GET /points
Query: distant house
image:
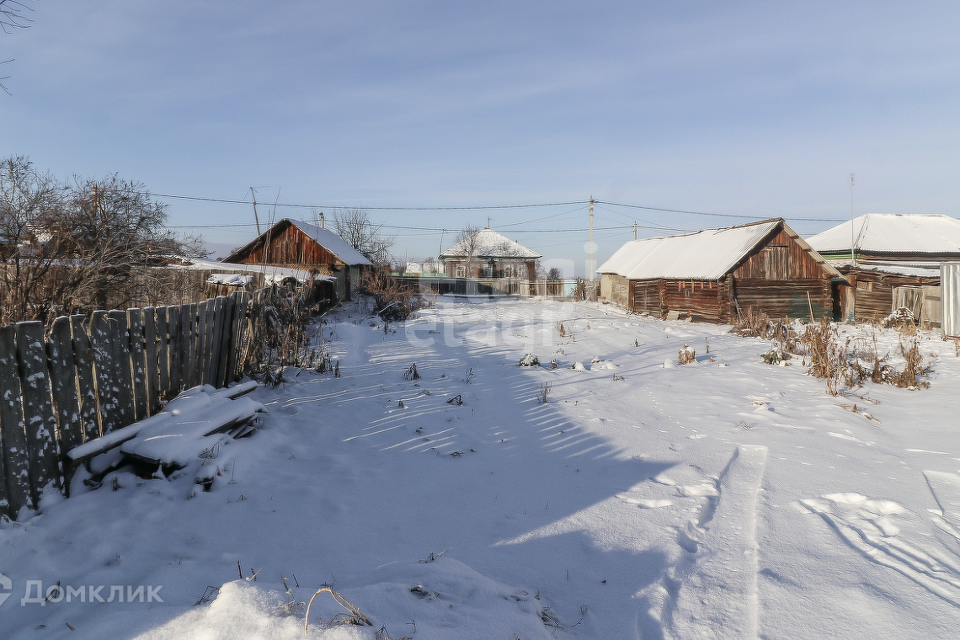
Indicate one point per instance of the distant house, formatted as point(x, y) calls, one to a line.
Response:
point(300, 245)
point(488, 254)
point(714, 275)
point(879, 253)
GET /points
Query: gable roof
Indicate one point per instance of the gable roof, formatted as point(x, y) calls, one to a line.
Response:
point(893, 233)
point(324, 237)
point(489, 244)
point(708, 254)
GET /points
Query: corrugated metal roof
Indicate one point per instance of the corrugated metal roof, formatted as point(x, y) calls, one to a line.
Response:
point(332, 243)
point(490, 244)
point(893, 233)
point(704, 255)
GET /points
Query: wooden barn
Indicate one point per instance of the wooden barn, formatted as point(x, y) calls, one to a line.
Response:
point(879, 253)
point(716, 274)
point(299, 245)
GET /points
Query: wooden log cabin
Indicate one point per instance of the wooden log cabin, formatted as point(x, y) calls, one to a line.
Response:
point(714, 275)
point(879, 252)
point(299, 245)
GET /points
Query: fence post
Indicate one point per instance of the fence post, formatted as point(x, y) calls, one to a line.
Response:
point(138, 366)
point(163, 355)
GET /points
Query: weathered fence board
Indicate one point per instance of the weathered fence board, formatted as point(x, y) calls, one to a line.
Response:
point(38, 415)
point(120, 341)
point(188, 356)
point(63, 381)
point(216, 334)
point(83, 356)
point(163, 354)
point(107, 372)
point(229, 304)
point(138, 366)
point(12, 428)
point(149, 320)
point(174, 348)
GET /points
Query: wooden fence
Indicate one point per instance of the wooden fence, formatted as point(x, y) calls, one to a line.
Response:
point(87, 377)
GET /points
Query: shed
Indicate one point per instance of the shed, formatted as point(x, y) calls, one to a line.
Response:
point(714, 275)
point(889, 251)
point(299, 245)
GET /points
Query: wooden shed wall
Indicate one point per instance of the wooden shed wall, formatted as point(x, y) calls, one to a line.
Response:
point(779, 258)
point(873, 292)
point(289, 247)
point(785, 298)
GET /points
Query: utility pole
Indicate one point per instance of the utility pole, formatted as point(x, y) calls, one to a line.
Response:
point(591, 247)
point(634, 229)
point(323, 222)
point(853, 255)
point(255, 216)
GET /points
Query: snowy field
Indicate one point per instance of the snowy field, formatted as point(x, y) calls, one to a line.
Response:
point(726, 498)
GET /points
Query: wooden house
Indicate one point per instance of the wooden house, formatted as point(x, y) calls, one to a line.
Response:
point(299, 245)
point(488, 254)
point(880, 252)
point(714, 275)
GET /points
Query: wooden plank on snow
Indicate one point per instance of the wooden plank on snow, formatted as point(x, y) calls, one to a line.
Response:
point(13, 432)
point(84, 358)
point(38, 414)
point(138, 366)
point(63, 382)
point(120, 341)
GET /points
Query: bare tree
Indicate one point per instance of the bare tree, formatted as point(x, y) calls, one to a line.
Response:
point(467, 246)
point(354, 226)
point(12, 18)
point(96, 245)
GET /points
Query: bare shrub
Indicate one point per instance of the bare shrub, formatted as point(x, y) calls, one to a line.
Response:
point(411, 373)
point(545, 388)
point(393, 300)
point(687, 354)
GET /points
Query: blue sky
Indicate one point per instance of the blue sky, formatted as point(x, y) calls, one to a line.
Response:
point(746, 108)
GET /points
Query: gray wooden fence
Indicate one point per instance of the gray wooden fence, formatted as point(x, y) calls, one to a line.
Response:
point(88, 377)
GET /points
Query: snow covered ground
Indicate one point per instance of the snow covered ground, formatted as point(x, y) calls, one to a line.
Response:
point(726, 498)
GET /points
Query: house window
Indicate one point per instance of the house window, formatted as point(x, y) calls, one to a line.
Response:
point(508, 271)
point(487, 271)
point(461, 271)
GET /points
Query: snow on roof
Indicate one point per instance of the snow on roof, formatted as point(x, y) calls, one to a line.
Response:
point(703, 255)
point(893, 233)
point(271, 274)
point(234, 279)
point(490, 244)
point(332, 243)
point(913, 269)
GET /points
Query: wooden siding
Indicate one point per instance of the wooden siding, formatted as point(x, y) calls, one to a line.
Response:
point(288, 246)
point(873, 292)
point(779, 258)
point(785, 298)
point(778, 278)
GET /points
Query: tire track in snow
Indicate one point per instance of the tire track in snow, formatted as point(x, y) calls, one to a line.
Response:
point(713, 590)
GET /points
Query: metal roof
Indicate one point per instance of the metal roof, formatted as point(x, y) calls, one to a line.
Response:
point(490, 244)
point(705, 255)
point(893, 233)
